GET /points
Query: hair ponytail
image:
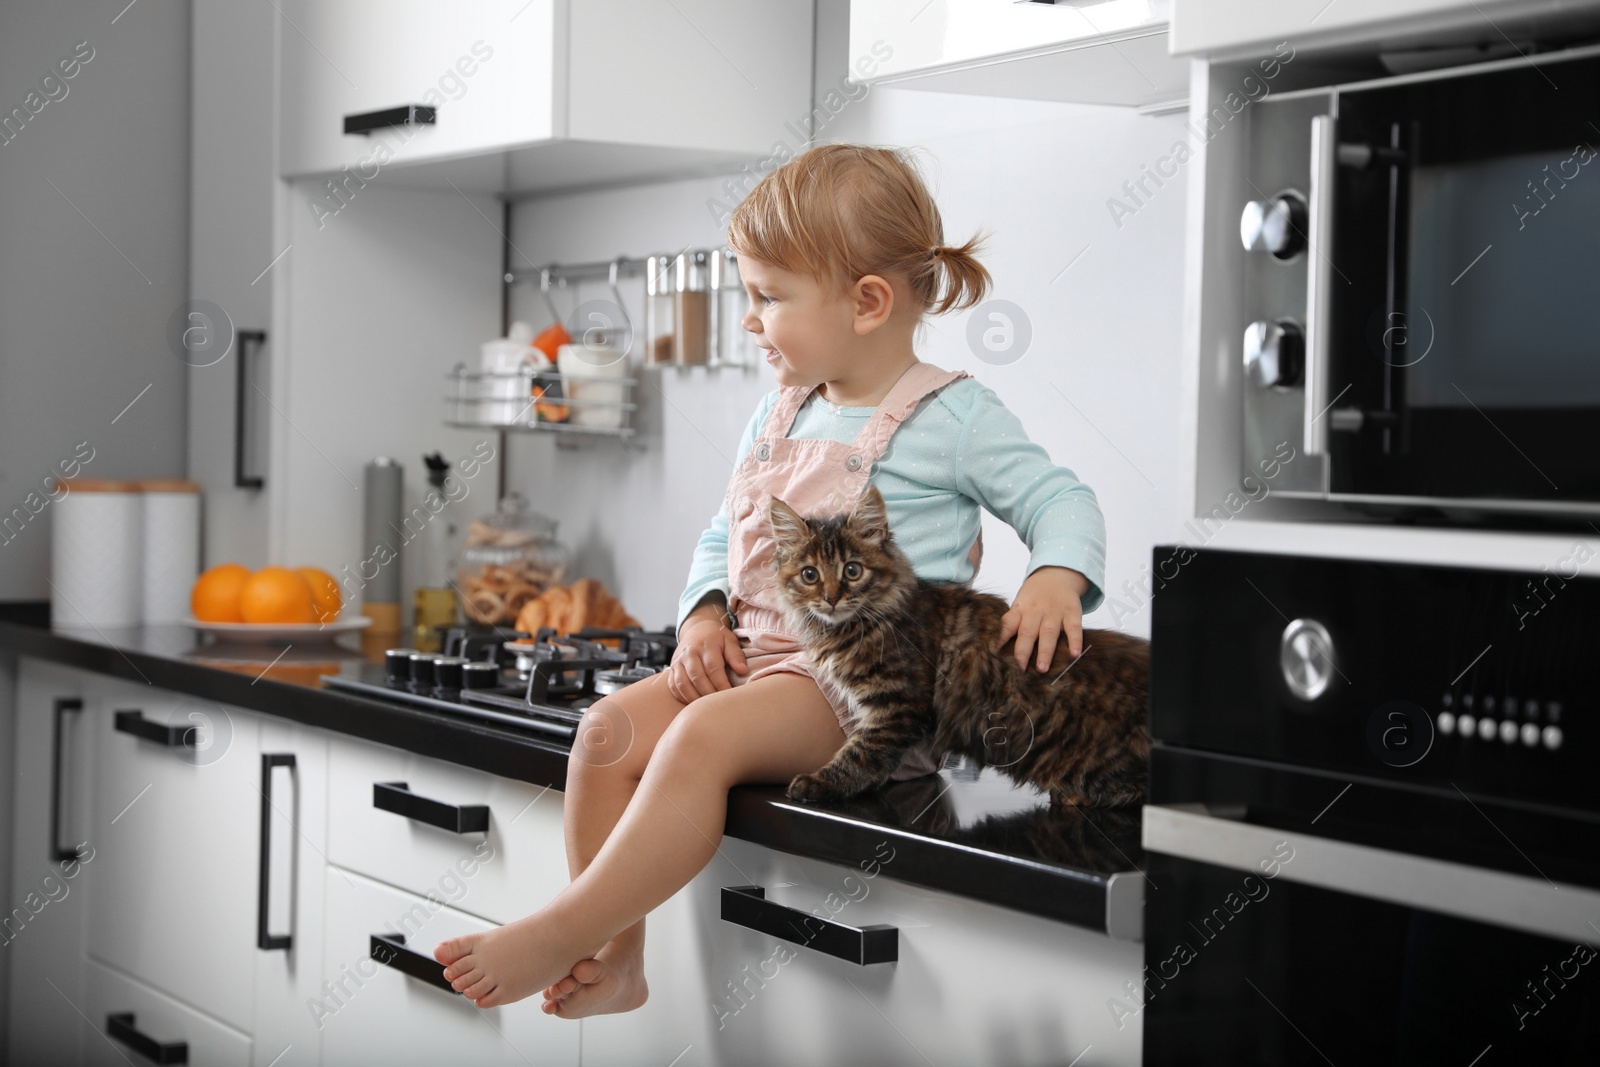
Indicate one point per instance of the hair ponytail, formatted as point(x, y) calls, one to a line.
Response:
point(966, 281)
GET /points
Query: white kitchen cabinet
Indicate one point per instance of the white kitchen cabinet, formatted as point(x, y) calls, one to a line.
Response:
point(595, 90)
point(373, 1013)
point(973, 983)
point(129, 1022)
point(1113, 52)
point(499, 874)
point(43, 928)
point(1226, 29)
point(175, 837)
point(178, 836)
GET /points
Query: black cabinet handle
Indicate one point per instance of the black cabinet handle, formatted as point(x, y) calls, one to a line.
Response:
point(747, 905)
point(404, 115)
point(264, 940)
point(133, 722)
point(119, 1026)
point(397, 797)
point(57, 853)
point(390, 950)
point(248, 340)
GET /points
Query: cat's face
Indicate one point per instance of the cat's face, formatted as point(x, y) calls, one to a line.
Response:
point(829, 569)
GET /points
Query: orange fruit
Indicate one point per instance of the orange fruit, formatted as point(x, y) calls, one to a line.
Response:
point(324, 593)
point(277, 595)
point(215, 595)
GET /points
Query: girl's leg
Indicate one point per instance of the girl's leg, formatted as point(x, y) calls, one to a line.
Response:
point(615, 740)
point(764, 731)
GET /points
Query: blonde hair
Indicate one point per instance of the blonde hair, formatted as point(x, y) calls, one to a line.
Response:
point(841, 211)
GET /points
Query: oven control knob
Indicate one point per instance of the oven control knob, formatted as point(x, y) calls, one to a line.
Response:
point(1274, 354)
point(1276, 225)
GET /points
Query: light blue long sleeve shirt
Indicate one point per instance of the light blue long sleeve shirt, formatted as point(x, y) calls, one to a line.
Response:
point(959, 449)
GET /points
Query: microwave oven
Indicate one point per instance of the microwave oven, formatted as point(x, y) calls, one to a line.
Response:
point(1421, 280)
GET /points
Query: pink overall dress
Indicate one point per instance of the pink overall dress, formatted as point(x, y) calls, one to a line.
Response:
point(819, 479)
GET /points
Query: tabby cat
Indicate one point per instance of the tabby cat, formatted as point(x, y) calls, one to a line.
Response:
point(917, 660)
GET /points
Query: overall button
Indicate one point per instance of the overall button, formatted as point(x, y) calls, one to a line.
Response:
point(853, 463)
point(763, 450)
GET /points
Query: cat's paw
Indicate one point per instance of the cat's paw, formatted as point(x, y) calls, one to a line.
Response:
point(814, 787)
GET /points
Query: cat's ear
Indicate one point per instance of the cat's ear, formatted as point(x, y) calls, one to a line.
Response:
point(870, 517)
point(788, 528)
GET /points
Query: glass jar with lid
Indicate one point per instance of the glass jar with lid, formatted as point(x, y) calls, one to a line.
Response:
point(509, 558)
point(659, 334)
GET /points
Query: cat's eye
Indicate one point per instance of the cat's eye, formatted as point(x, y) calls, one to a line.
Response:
point(809, 575)
point(852, 570)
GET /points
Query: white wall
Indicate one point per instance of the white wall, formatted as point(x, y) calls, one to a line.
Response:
point(93, 257)
point(1105, 329)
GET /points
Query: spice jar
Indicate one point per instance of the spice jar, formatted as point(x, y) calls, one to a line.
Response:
point(658, 332)
point(730, 342)
point(509, 558)
point(691, 309)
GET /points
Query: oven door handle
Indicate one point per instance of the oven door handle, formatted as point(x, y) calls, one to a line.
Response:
point(1319, 282)
point(1532, 904)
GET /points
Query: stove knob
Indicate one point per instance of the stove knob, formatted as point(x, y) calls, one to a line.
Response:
point(1552, 737)
point(482, 675)
point(1276, 225)
point(422, 672)
point(447, 672)
point(397, 666)
point(1274, 354)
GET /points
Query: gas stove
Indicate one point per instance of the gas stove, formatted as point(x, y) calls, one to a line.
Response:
point(537, 682)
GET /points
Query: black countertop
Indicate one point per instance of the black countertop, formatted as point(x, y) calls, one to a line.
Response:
point(975, 834)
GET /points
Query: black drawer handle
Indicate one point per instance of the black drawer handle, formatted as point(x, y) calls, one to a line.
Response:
point(265, 941)
point(119, 1026)
point(404, 115)
point(397, 797)
point(390, 950)
point(57, 853)
point(747, 905)
point(134, 722)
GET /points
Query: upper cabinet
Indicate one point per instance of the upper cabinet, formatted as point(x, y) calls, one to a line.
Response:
point(531, 95)
point(1113, 52)
point(1224, 29)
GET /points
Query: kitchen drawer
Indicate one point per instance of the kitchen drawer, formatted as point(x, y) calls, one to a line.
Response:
point(376, 1014)
point(157, 1019)
point(173, 889)
point(499, 875)
point(973, 983)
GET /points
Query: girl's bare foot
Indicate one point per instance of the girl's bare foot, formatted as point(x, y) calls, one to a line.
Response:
point(509, 963)
point(612, 981)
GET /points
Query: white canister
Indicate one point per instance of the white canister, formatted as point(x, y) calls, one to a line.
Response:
point(583, 370)
point(171, 548)
point(502, 361)
point(97, 554)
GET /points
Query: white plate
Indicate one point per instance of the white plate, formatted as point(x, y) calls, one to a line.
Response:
point(302, 632)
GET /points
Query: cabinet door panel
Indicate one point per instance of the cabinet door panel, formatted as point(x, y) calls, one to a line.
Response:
point(156, 1018)
point(42, 931)
point(488, 66)
point(501, 875)
point(974, 983)
point(375, 1014)
point(176, 832)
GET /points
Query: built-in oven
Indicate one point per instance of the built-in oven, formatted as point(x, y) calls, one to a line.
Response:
point(1422, 287)
point(1374, 818)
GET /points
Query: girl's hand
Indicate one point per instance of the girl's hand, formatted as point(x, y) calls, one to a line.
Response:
point(1048, 606)
point(704, 645)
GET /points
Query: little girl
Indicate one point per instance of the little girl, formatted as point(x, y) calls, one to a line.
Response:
point(841, 252)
